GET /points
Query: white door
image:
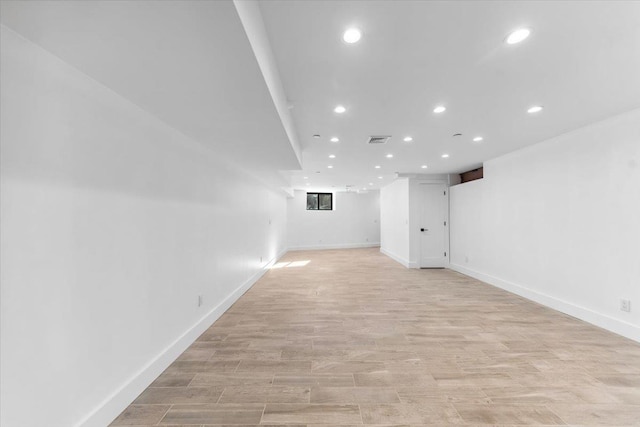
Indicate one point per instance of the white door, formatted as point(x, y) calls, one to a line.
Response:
point(433, 225)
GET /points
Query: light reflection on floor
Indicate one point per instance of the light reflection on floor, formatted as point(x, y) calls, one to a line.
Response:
point(290, 264)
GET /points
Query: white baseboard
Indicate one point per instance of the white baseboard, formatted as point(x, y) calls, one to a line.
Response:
point(335, 246)
point(396, 257)
point(617, 326)
point(113, 405)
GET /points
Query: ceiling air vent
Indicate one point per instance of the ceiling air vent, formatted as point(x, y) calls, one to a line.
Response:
point(378, 139)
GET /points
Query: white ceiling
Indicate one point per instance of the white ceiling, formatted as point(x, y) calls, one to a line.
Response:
point(201, 69)
point(189, 63)
point(582, 62)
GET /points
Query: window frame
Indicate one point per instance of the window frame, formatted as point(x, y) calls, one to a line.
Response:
point(321, 194)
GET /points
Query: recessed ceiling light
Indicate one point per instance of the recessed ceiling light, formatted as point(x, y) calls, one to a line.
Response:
point(379, 177)
point(330, 167)
point(334, 139)
point(408, 139)
point(518, 35)
point(332, 156)
point(339, 109)
point(423, 166)
point(444, 156)
point(316, 136)
point(371, 183)
point(535, 109)
point(377, 166)
point(477, 139)
point(352, 35)
point(439, 109)
point(305, 177)
point(389, 156)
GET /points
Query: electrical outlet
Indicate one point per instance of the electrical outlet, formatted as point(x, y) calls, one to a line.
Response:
point(367, 239)
point(260, 259)
point(199, 300)
point(625, 305)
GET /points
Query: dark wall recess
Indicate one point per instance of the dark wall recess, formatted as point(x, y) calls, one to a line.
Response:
point(471, 175)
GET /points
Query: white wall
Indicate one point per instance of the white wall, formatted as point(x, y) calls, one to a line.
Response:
point(559, 222)
point(394, 220)
point(112, 224)
point(354, 222)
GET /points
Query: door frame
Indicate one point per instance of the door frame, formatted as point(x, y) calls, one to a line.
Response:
point(445, 188)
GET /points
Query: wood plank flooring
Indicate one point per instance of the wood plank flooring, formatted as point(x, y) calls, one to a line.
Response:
point(351, 337)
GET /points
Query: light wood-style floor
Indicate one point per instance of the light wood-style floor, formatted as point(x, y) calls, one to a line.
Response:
point(350, 337)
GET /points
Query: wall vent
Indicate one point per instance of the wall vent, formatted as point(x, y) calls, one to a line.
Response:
point(378, 139)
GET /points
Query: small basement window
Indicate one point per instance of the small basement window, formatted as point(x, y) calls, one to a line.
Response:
point(319, 201)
